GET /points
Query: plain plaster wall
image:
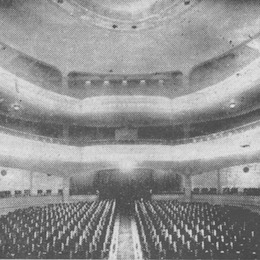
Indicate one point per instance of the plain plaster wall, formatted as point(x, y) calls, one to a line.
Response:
point(230, 177)
point(17, 179)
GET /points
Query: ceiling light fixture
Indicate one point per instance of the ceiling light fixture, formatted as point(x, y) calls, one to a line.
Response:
point(232, 105)
point(246, 169)
point(16, 107)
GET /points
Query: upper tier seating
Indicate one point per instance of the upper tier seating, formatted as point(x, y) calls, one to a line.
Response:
point(173, 230)
point(79, 230)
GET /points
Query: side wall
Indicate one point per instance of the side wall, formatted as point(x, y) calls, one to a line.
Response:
point(233, 177)
point(250, 202)
point(17, 179)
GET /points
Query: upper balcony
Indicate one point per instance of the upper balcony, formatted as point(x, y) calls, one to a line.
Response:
point(81, 136)
point(190, 156)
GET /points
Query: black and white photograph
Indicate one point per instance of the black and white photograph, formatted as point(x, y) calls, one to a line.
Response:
point(130, 129)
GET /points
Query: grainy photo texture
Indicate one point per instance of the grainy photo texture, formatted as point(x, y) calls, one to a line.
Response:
point(129, 129)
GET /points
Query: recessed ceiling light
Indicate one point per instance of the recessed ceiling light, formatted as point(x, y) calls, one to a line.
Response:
point(245, 145)
point(246, 169)
point(232, 105)
point(16, 107)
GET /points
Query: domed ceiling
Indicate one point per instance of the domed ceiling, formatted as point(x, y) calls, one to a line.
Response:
point(84, 61)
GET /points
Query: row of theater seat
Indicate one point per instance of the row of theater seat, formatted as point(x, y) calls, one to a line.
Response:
point(79, 230)
point(252, 191)
point(229, 191)
point(25, 193)
point(173, 230)
point(204, 191)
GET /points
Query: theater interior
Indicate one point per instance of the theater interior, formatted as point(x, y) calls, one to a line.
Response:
point(129, 129)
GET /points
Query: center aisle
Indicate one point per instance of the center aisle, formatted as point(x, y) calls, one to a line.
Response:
point(125, 239)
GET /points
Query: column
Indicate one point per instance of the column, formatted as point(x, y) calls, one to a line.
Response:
point(65, 133)
point(219, 182)
point(99, 134)
point(186, 82)
point(66, 189)
point(31, 183)
point(187, 185)
point(65, 85)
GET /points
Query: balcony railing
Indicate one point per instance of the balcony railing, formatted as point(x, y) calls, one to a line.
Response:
point(87, 142)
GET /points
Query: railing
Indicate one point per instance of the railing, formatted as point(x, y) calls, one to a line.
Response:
point(82, 142)
point(44, 139)
point(202, 138)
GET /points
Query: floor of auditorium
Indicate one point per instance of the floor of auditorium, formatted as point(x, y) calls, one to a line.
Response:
point(125, 238)
point(128, 243)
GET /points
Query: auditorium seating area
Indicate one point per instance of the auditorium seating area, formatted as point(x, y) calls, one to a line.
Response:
point(165, 230)
point(173, 230)
point(77, 230)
